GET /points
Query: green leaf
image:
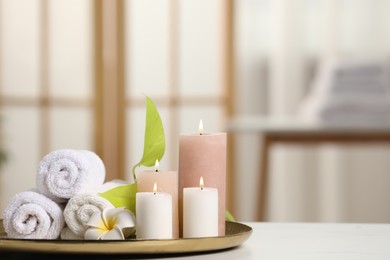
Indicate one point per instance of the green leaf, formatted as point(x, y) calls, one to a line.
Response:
point(229, 216)
point(154, 140)
point(122, 196)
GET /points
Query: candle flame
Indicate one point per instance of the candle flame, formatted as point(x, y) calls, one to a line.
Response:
point(156, 165)
point(201, 183)
point(155, 187)
point(201, 127)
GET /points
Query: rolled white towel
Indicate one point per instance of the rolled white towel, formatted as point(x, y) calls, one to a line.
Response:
point(67, 234)
point(79, 210)
point(31, 215)
point(64, 173)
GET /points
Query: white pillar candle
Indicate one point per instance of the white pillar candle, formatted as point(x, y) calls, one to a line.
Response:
point(167, 182)
point(200, 212)
point(154, 215)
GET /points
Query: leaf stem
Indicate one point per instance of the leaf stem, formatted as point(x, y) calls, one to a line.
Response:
point(133, 171)
point(229, 216)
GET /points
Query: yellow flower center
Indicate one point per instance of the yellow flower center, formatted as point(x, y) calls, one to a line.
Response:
point(111, 223)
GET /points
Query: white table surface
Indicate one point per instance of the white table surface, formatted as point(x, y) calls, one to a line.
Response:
point(309, 241)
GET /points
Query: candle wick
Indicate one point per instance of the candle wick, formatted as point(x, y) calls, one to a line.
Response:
point(201, 133)
point(201, 188)
point(154, 193)
point(156, 170)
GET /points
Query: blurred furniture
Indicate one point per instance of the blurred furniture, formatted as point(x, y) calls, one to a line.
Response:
point(294, 130)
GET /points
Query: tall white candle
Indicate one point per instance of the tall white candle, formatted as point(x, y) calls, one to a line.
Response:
point(154, 215)
point(200, 211)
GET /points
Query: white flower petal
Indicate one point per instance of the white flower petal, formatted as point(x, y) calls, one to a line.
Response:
point(125, 219)
point(96, 220)
point(109, 214)
point(114, 234)
point(94, 233)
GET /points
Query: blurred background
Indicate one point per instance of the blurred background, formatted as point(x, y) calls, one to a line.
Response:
point(73, 74)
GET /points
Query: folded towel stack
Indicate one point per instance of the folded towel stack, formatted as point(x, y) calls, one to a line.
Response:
point(350, 92)
point(64, 173)
point(31, 215)
point(64, 176)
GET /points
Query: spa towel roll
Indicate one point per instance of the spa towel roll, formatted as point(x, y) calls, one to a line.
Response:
point(79, 210)
point(67, 234)
point(30, 215)
point(65, 173)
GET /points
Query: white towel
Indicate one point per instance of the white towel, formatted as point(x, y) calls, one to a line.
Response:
point(31, 215)
point(64, 173)
point(79, 210)
point(67, 234)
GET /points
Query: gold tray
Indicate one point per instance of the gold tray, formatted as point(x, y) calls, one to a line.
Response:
point(236, 234)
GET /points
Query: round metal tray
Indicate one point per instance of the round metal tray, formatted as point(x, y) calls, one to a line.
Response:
point(236, 234)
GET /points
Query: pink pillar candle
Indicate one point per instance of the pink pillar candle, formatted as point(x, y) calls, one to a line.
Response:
point(204, 155)
point(168, 183)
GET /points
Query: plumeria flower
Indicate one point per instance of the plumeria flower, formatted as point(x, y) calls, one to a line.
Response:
point(111, 223)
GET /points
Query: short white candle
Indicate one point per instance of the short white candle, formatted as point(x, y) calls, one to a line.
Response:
point(154, 215)
point(200, 211)
point(168, 182)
